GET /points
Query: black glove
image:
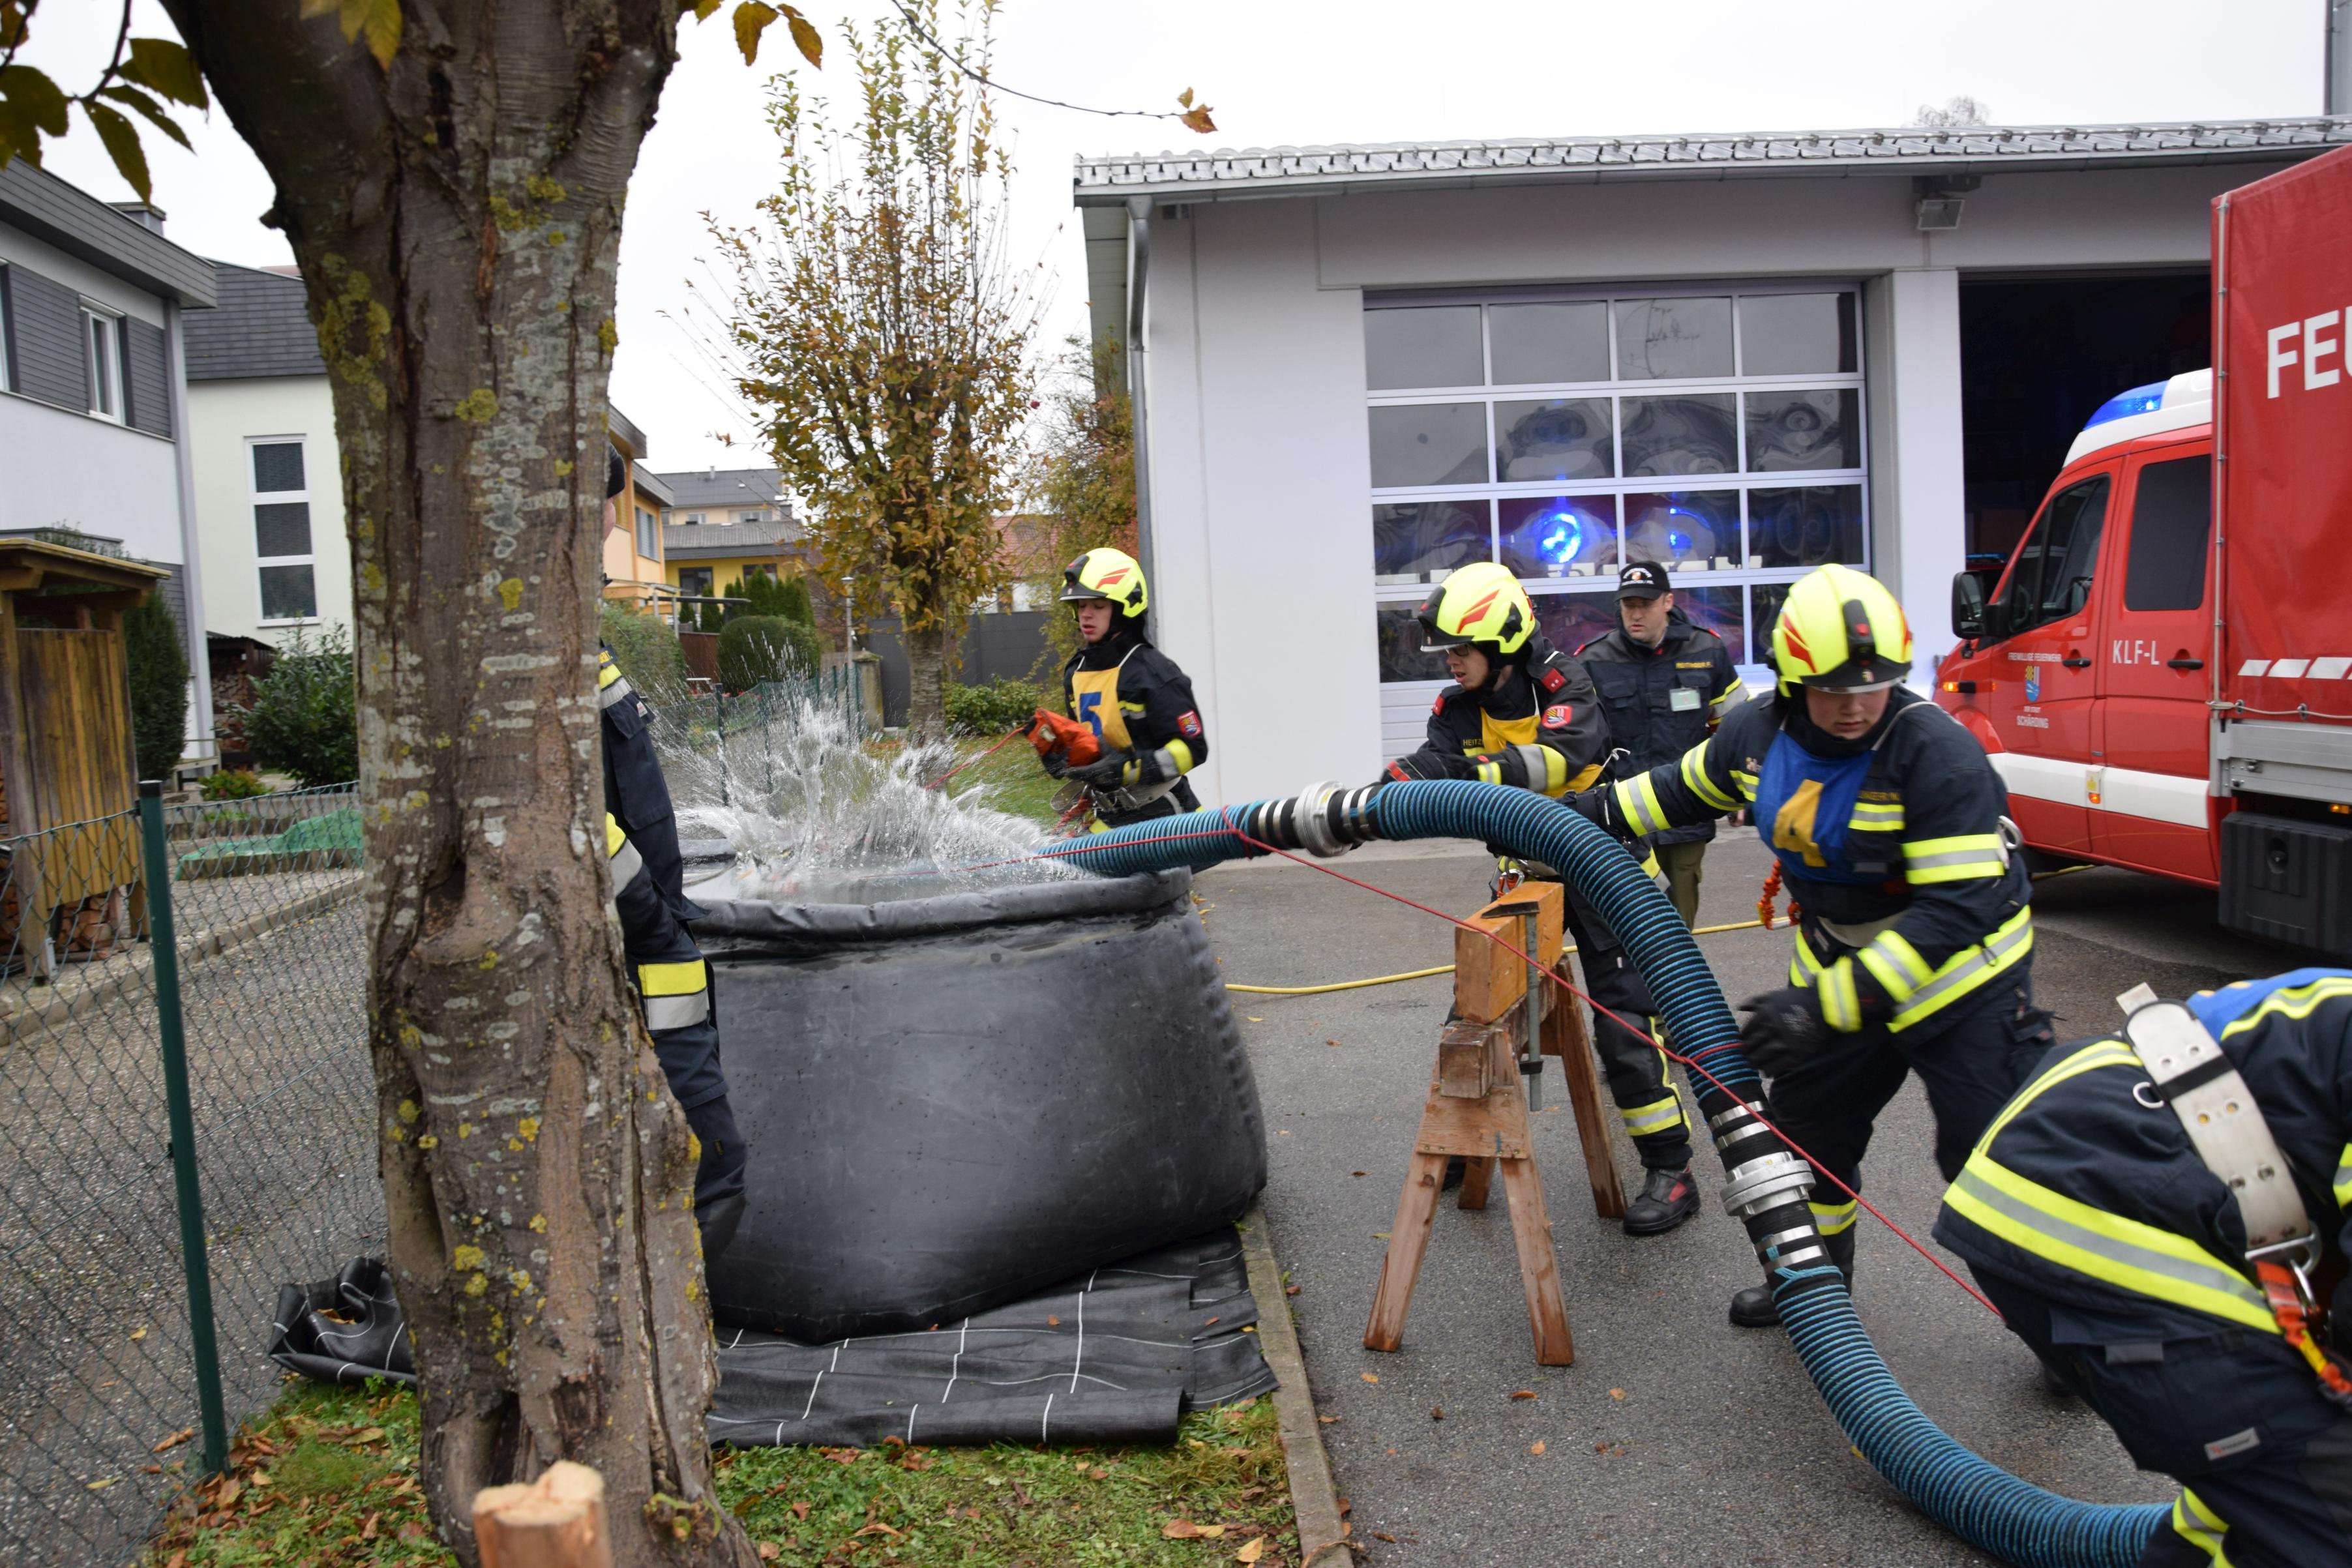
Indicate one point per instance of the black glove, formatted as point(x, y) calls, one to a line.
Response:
point(1783, 1028)
point(1108, 772)
point(1056, 764)
point(1426, 765)
point(1599, 807)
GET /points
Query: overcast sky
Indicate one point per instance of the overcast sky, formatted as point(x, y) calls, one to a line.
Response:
point(1283, 72)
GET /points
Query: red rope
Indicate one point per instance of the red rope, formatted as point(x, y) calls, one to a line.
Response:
point(1642, 1033)
point(975, 761)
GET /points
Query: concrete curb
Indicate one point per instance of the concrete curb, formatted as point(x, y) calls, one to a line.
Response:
point(1314, 1501)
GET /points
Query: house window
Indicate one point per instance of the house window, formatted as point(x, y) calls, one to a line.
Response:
point(281, 529)
point(759, 568)
point(649, 536)
point(694, 581)
point(1718, 430)
point(694, 519)
point(102, 333)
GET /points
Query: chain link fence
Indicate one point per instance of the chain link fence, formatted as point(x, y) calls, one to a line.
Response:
point(106, 1375)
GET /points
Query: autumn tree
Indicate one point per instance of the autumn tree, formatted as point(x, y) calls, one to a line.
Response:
point(1081, 477)
point(884, 339)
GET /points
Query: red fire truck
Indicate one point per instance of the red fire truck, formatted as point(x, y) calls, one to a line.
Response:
point(2163, 672)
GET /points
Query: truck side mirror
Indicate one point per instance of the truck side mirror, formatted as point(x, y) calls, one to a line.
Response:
point(1968, 606)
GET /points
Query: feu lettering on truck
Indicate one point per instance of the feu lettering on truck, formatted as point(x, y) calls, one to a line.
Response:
point(2308, 342)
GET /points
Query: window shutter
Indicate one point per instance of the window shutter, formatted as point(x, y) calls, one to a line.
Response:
point(44, 317)
point(147, 377)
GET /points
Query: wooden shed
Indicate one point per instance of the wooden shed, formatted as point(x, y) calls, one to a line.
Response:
point(66, 751)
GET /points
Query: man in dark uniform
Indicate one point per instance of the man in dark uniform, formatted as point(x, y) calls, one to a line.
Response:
point(1138, 703)
point(1522, 714)
point(2158, 1214)
point(673, 981)
point(1915, 950)
point(1664, 684)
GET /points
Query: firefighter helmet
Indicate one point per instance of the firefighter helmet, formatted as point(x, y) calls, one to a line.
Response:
point(1480, 606)
point(1108, 574)
point(1841, 630)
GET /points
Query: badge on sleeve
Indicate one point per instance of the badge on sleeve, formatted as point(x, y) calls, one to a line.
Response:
point(1189, 723)
point(1556, 717)
point(1439, 705)
point(1553, 680)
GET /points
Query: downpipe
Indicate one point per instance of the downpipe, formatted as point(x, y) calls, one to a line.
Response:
point(1766, 1183)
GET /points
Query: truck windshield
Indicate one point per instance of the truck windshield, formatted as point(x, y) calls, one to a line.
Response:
point(2055, 567)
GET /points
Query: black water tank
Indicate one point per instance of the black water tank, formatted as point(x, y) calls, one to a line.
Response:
point(952, 1102)
point(2288, 879)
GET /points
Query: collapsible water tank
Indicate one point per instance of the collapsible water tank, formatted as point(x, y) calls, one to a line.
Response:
point(954, 1101)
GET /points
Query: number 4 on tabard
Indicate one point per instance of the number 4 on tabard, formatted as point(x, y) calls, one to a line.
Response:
point(1089, 702)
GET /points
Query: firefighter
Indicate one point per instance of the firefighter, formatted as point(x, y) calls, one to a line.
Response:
point(1914, 951)
point(1522, 714)
point(1132, 695)
point(673, 981)
point(1665, 686)
point(2156, 1259)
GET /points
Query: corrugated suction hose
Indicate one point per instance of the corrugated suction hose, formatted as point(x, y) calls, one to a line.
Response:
point(1767, 1185)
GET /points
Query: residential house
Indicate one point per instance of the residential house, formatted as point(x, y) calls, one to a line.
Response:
point(633, 547)
point(720, 525)
point(92, 398)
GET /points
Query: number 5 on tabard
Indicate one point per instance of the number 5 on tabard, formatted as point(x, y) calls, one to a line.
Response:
point(1088, 703)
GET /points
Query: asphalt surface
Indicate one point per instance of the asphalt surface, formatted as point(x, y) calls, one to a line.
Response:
point(1674, 1438)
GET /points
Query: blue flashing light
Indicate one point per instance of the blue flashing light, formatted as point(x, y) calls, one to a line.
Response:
point(1567, 535)
point(2122, 405)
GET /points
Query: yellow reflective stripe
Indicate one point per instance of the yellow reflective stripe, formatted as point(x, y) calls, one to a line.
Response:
point(1895, 965)
point(2089, 1058)
point(1554, 772)
point(1805, 964)
point(1841, 1003)
point(1694, 771)
point(1730, 697)
point(1969, 968)
point(2344, 1179)
point(1969, 871)
point(613, 837)
point(672, 979)
point(1490, 772)
point(1877, 817)
point(1658, 1116)
point(2104, 1246)
point(1747, 782)
point(2196, 1522)
point(1830, 1218)
point(1638, 798)
point(607, 672)
point(1917, 849)
point(1181, 754)
point(1954, 859)
point(2298, 1003)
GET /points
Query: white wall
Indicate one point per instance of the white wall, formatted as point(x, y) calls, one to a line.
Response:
point(221, 416)
point(1259, 471)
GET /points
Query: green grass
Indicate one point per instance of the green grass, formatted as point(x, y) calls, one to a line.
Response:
point(1014, 782)
point(329, 1477)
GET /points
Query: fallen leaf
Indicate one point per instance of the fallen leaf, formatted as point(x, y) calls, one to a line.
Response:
point(139, 1334)
point(1179, 1529)
point(1330, 1042)
point(769, 1552)
point(1098, 1474)
point(1437, 1413)
point(1251, 1551)
point(1393, 1453)
point(1383, 1535)
point(842, 1455)
point(801, 1509)
point(1329, 1420)
point(261, 1478)
point(1523, 1394)
point(877, 1528)
point(1369, 1376)
point(1282, 1132)
point(1253, 1018)
point(368, 1434)
point(1379, 1236)
point(102, 1486)
point(151, 1469)
point(1358, 1173)
point(1211, 1532)
point(1053, 1321)
point(1290, 1290)
point(367, 1527)
point(916, 1462)
point(1210, 1320)
point(1345, 1507)
point(1536, 1447)
point(174, 1440)
point(1616, 1394)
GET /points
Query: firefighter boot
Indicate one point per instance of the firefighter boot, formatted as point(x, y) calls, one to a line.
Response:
point(1753, 1308)
point(1667, 1198)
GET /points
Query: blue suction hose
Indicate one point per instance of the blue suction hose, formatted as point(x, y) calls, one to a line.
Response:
point(1977, 1500)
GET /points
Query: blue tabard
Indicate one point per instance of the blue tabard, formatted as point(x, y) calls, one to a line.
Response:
point(1803, 806)
point(2219, 1009)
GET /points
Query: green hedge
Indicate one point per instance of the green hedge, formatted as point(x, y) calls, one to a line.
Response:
point(754, 649)
point(991, 710)
point(645, 650)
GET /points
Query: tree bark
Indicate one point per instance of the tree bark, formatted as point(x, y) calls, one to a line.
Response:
point(927, 712)
point(457, 217)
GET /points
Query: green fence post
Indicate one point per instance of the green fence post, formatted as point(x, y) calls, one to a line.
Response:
point(165, 946)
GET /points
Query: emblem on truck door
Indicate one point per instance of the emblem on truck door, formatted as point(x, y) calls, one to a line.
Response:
point(2032, 683)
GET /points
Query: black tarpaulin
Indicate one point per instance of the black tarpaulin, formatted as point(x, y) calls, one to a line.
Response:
point(343, 1329)
point(1113, 1356)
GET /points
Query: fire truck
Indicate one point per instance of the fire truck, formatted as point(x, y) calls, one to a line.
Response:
point(2162, 671)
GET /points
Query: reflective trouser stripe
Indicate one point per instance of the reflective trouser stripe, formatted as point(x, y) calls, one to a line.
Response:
point(675, 994)
point(1659, 1116)
point(1694, 778)
point(1968, 969)
point(676, 1012)
point(1896, 965)
point(2198, 1525)
point(1830, 1218)
point(1841, 1002)
point(2298, 1003)
point(626, 861)
point(611, 686)
point(2344, 1179)
point(2108, 1248)
point(1638, 799)
point(1960, 858)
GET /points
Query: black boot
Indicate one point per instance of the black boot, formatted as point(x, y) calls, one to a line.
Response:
point(1752, 1307)
point(1667, 1198)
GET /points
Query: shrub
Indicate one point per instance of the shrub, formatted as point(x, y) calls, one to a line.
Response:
point(233, 784)
point(159, 686)
point(647, 651)
point(304, 714)
point(793, 601)
point(753, 649)
point(1002, 705)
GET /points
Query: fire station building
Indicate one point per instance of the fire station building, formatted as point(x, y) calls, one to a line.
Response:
point(1358, 367)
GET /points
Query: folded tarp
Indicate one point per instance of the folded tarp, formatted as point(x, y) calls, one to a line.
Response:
point(343, 1329)
point(1115, 1355)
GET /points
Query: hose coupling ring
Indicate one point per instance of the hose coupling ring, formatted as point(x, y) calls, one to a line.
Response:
point(1765, 1182)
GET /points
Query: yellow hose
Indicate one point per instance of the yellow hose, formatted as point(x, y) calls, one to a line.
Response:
point(1425, 974)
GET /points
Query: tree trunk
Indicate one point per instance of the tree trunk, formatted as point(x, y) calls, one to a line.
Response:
point(927, 711)
point(457, 217)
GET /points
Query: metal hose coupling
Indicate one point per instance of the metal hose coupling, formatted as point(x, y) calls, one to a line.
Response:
point(1325, 819)
point(1733, 1126)
point(1767, 1182)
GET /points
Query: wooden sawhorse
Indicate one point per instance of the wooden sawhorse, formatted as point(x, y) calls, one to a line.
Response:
point(1477, 1109)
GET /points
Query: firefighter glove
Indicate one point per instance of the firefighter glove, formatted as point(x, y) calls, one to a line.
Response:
point(1782, 1028)
point(1599, 807)
point(1128, 770)
point(1426, 765)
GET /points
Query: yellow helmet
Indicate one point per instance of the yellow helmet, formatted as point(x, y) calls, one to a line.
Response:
point(1108, 574)
point(1481, 606)
point(1841, 630)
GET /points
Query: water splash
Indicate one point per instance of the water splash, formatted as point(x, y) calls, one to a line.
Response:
point(813, 814)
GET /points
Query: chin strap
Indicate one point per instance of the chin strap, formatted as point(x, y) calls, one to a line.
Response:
point(2188, 1071)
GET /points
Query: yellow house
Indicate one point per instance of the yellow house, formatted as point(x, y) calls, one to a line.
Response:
point(633, 572)
point(720, 525)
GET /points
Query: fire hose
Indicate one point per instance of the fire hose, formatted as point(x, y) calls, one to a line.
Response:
point(1768, 1184)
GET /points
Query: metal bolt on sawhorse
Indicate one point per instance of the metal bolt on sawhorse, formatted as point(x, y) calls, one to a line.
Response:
point(1479, 1098)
